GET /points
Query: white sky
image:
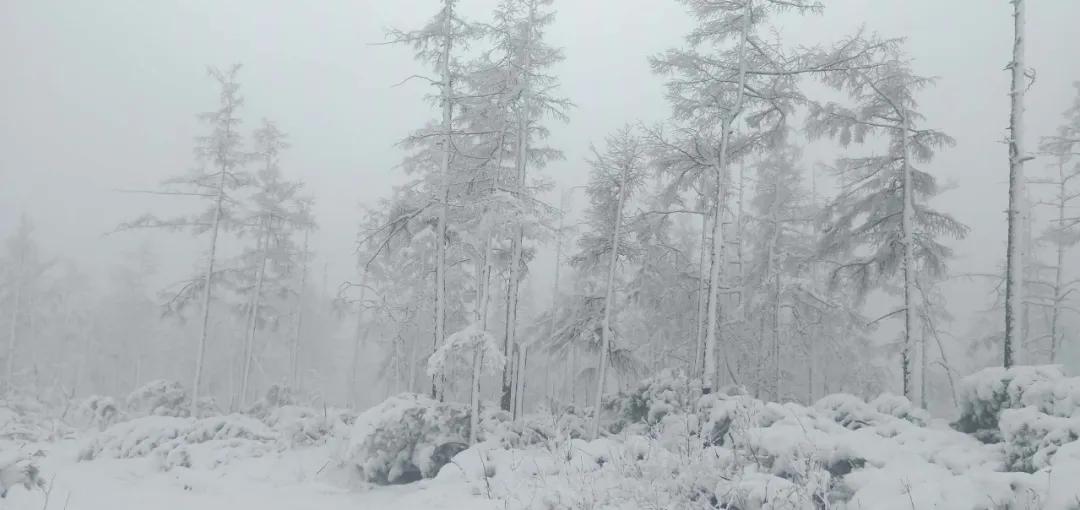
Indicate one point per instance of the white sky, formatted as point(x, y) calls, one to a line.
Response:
point(102, 95)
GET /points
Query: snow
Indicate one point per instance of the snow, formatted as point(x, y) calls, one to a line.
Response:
point(666, 446)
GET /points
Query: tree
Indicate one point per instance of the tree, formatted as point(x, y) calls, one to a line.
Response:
point(881, 222)
point(435, 45)
point(276, 211)
point(23, 283)
point(734, 77)
point(1014, 260)
point(221, 151)
point(616, 174)
point(514, 79)
point(1064, 230)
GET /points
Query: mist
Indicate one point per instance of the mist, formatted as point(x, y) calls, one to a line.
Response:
point(224, 209)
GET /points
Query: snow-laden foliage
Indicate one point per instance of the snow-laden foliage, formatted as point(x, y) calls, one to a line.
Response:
point(405, 438)
point(1032, 438)
point(298, 426)
point(159, 398)
point(172, 440)
point(97, 411)
point(460, 346)
point(984, 394)
point(735, 451)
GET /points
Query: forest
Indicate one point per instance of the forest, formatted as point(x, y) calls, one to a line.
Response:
point(754, 302)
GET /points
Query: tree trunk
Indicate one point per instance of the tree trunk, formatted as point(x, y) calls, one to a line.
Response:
point(208, 285)
point(521, 153)
point(14, 327)
point(444, 170)
point(712, 315)
point(703, 299)
point(907, 220)
point(1059, 298)
point(474, 415)
point(359, 339)
point(609, 303)
point(300, 293)
point(253, 314)
point(1014, 261)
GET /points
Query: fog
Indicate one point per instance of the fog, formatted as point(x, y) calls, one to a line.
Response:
point(570, 253)
point(100, 99)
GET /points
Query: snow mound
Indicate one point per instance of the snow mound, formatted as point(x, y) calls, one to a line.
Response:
point(172, 440)
point(986, 393)
point(406, 438)
point(159, 398)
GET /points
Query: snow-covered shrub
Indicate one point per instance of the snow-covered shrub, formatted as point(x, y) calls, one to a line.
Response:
point(1059, 397)
point(984, 394)
point(96, 411)
point(1032, 438)
point(306, 426)
point(405, 438)
point(216, 439)
point(900, 407)
point(276, 396)
point(135, 438)
point(159, 398)
point(670, 391)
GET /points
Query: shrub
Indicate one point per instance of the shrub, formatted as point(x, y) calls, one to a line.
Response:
point(406, 438)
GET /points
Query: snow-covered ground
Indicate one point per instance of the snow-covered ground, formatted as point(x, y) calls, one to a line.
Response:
point(290, 480)
point(1016, 446)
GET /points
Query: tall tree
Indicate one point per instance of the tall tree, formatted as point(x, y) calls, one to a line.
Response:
point(24, 272)
point(1014, 260)
point(1064, 231)
point(276, 211)
point(217, 179)
point(616, 174)
point(436, 45)
point(736, 77)
point(881, 222)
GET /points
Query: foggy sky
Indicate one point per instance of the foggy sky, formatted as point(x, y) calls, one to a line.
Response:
point(98, 96)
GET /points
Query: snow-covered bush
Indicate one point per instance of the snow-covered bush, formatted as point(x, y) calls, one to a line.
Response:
point(135, 438)
point(405, 438)
point(1032, 437)
point(159, 398)
point(986, 393)
point(96, 411)
point(172, 440)
point(670, 391)
point(297, 425)
point(1059, 397)
point(276, 396)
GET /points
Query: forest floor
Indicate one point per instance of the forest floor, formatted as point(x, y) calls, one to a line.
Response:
point(290, 480)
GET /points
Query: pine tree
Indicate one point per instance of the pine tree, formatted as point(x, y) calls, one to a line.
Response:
point(734, 77)
point(217, 180)
point(881, 222)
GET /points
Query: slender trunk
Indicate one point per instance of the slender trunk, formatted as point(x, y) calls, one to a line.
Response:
point(1014, 261)
point(922, 370)
point(907, 220)
point(207, 286)
point(359, 339)
point(444, 173)
point(253, 313)
point(1059, 298)
point(703, 299)
point(474, 415)
point(300, 293)
point(712, 316)
point(521, 153)
point(609, 303)
point(13, 333)
point(774, 268)
point(523, 360)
